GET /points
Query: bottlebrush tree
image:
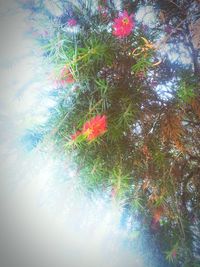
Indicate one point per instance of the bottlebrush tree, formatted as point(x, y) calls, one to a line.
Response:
point(128, 111)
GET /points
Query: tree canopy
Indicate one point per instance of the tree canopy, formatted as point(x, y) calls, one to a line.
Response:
point(127, 78)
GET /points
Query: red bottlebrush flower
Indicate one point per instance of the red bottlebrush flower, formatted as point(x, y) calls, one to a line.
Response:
point(114, 192)
point(71, 22)
point(155, 222)
point(66, 76)
point(157, 214)
point(174, 253)
point(123, 25)
point(95, 127)
point(75, 135)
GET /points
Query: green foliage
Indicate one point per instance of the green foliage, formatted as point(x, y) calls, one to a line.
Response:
point(172, 254)
point(142, 65)
point(186, 91)
point(92, 55)
point(150, 153)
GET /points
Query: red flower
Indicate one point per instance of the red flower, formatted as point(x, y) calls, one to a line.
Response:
point(174, 253)
point(75, 135)
point(66, 76)
point(114, 192)
point(95, 127)
point(123, 25)
point(71, 22)
point(158, 212)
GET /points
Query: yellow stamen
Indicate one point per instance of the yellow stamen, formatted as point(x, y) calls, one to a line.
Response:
point(125, 21)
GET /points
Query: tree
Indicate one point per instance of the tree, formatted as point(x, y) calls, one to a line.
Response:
point(128, 113)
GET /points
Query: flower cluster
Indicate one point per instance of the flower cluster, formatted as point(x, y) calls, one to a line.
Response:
point(92, 128)
point(123, 25)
